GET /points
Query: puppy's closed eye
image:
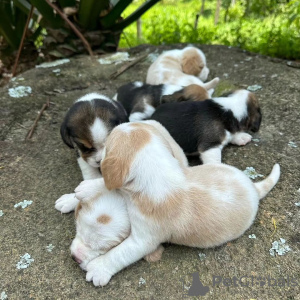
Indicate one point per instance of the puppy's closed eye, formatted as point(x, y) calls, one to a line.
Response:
point(85, 149)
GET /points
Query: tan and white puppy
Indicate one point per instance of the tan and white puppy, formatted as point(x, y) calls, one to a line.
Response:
point(85, 129)
point(181, 67)
point(203, 206)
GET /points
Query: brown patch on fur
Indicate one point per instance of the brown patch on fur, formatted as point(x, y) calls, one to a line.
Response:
point(254, 113)
point(77, 210)
point(104, 219)
point(117, 162)
point(195, 92)
point(192, 63)
point(156, 255)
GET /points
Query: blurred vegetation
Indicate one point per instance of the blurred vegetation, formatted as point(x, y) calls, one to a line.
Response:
point(98, 21)
point(270, 27)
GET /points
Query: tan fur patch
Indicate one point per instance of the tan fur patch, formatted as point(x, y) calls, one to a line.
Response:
point(104, 219)
point(192, 63)
point(77, 209)
point(195, 92)
point(121, 148)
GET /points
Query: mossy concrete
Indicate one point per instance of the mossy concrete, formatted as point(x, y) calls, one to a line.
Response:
point(43, 169)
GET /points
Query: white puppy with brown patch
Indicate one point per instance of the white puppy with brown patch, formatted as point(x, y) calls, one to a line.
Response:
point(203, 206)
point(181, 67)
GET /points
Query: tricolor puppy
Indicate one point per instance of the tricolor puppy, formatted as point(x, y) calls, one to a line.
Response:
point(206, 127)
point(140, 99)
point(85, 128)
point(203, 206)
point(181, 67)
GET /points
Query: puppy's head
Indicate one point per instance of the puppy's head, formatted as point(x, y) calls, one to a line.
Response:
point(193, 62)
point(253, 117)
point(138, 156)
point(193, 92)
point(88, 123)
point(101, 224)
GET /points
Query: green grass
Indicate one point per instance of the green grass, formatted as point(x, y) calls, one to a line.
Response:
point(173, 22)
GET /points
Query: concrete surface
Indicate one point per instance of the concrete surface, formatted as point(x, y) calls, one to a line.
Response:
point(43, 169)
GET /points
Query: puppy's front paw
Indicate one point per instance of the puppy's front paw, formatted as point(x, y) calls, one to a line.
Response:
point(241, 138)
point(66, 203)
point(87, 190)
point(156, 255)
point(96, 272)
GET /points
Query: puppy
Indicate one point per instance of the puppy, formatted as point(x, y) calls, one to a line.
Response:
point(85, 128)
point(140, 100)
point(103, 222)
point(181, 67)
point(203, 206)
point(206, 127)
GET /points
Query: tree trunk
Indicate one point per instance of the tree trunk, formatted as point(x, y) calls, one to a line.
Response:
point(217, 14)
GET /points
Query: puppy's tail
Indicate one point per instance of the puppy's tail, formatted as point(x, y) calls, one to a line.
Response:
point(265, 186)
point(211, 84)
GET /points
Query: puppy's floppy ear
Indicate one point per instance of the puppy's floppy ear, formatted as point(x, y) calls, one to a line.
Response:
point(191, 62)
point(176, 97)
point(114, 171)
point(65, 134)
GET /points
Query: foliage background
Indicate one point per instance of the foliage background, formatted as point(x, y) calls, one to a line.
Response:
point(270, 27)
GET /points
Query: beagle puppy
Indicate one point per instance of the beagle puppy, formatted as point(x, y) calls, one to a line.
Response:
point(206, 127)
point(203, 206)
point(140, 99)
point(85, 129)
point(181, 67)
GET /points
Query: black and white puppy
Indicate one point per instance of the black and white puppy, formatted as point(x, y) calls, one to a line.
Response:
point(140, 99)
point(205, 127)
point(85, 128)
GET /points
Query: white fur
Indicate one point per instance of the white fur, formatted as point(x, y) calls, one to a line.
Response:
point(170, 89)
point(157, 174)
point(156, 72)
point(99, 134)
point(236, 102)
point(94, 238)
point(138, 116)
point(92, 96)
point(66, 203)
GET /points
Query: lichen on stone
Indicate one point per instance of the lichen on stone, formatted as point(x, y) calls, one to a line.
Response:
point(279, 247)
point(23, 204)
point(53, 63)
point(254, 88)
point(50, 247)
point(115, 58)
point(1, 213)
point(24, 262)
point(251, 173)
point(202, 256)
point(19, 91)
point(3, 296)
point(142, 281)
point(252, 236)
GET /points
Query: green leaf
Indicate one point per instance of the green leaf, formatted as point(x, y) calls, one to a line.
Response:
point(67, 3)
point(115, 13)
point(89, 12)
point(52, 19)
point(134, 16)
point(7, 30)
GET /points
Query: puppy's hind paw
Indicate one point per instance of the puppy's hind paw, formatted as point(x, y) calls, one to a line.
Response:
point(156, 255)
point(66, 203)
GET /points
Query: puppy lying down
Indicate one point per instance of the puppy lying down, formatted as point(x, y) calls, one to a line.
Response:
point(203, 206)
point(181, 67)
point(85, 129)
point(140, 99)
point(206, 127)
